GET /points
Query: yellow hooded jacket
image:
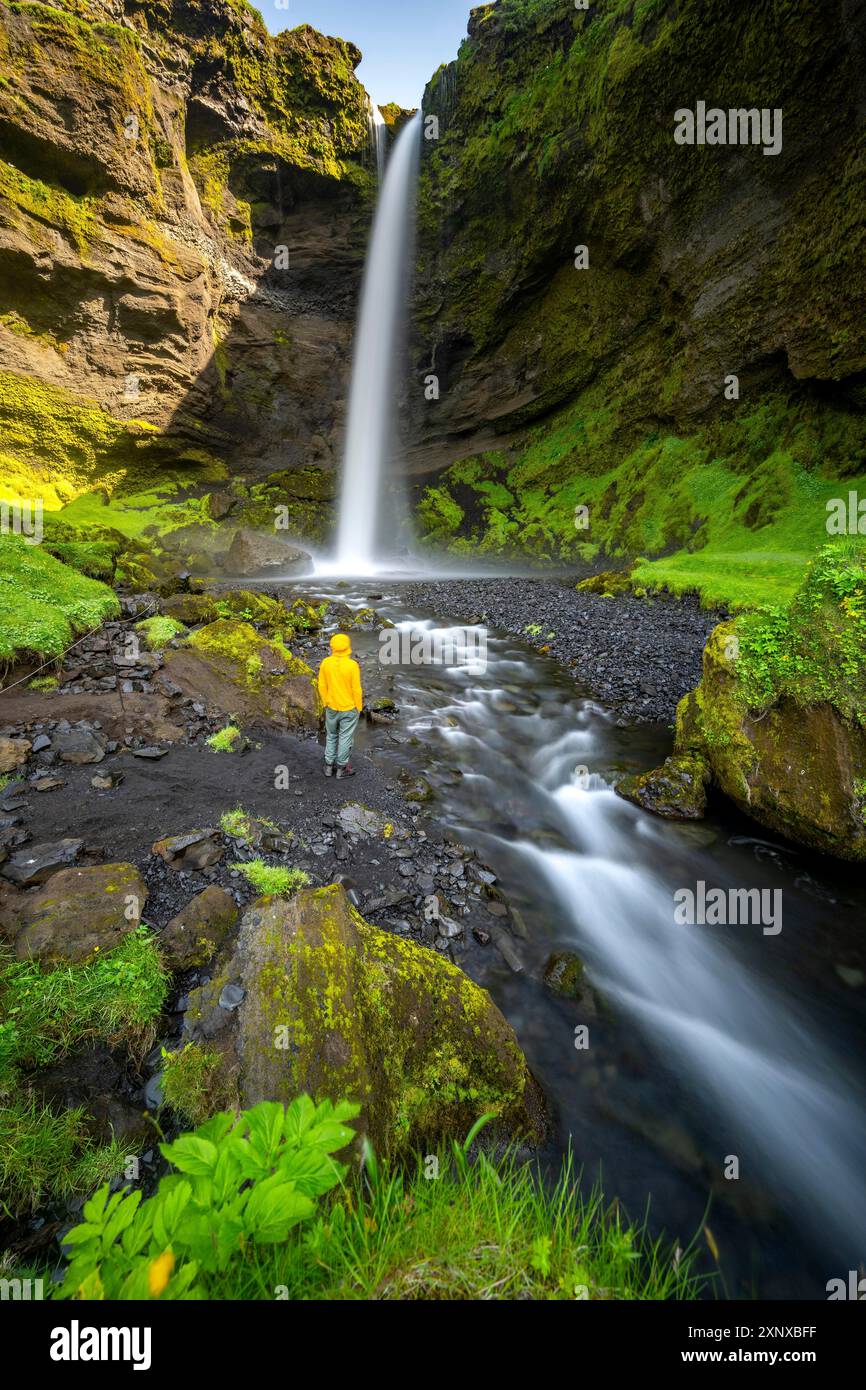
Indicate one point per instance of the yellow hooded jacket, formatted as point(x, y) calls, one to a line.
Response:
point(340, 677)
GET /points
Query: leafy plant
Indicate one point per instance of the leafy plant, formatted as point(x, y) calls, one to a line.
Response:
point(194, 1082)
point(240, 1182)
point(274, 880)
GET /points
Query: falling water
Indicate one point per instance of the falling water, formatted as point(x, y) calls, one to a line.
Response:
point(370, 434)
point(378, 139)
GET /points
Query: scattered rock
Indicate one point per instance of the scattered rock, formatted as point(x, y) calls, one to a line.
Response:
point(48, 784)
point(563, 973)
point(676, 790)
point(199, 850)
point(39, 862)
point(78, 746)
point(106, 781)
point(152, 752)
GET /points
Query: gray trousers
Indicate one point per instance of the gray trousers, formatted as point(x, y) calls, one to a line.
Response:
point(340, 726)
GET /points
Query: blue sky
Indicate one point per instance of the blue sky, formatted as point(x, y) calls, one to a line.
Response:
point(403, 43)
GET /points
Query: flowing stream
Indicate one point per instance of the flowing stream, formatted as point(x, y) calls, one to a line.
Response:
point(705, 1043)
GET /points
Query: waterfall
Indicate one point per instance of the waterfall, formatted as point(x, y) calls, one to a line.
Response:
point(370, 431)
point(378, 139)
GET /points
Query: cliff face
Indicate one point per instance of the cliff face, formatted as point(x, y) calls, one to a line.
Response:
point(157, 162)
point(557, 131)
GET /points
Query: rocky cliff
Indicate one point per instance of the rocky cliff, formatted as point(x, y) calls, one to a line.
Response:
point(184, 205)
point(601, 378)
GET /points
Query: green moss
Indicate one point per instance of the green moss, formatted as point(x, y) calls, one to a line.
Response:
point(273, 880)
point(159, 631)
point(225, 740)
point(248, 652)
point(45, 605)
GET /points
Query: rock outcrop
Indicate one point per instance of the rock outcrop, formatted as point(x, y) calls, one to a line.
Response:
point(317, 1000)
point(184, 203)
point(584, 324)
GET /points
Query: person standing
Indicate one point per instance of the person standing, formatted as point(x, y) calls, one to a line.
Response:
point(340, 693)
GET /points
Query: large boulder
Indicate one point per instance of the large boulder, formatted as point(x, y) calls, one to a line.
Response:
point(254, 553)
point(37, 863)
point(317, 1000)
point(798, 769)
point(79, 912)
point(235, 670)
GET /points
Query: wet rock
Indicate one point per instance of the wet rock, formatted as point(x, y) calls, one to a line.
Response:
point(254, 553)
point(14, 753)
point(48, 784)
point(676, 790)
point(39, 862)
point(563, 973)
point(191, 609)
point(199, 850)
point(80, 911)
point(195, 935)
point(79, 747)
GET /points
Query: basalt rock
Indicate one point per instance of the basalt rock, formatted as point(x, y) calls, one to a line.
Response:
point(255, 553)
point(334, 1006)
point(201, 849)
point(677, 790)
point(37, 863)
point(194, 936)
point(14, 753)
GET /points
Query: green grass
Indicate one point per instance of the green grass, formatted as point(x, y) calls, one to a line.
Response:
point(194, 1082)
point(486, 1230)
point(44, 604)
point(273, 880)
point(46, 1156)
point(116, 998)
point(241, 825)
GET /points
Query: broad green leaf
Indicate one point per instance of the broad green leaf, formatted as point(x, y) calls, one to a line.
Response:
point(191, 1154)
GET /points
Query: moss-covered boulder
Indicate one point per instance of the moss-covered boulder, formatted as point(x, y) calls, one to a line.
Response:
point(236, 670)
point(780, 713)
point(190, 609)
point(79, 913)
point(677, 790)
point(334, 1006)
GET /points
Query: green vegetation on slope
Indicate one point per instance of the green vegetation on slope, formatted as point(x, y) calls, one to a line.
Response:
point(741, 502)
point(44, 604)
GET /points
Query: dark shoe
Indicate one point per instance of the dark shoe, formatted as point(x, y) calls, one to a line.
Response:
point(329, 769)
point(347, 771)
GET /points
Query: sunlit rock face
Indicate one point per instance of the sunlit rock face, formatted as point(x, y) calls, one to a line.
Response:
point(184, 204)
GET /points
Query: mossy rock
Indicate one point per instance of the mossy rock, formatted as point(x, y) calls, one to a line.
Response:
point(80, 912)
point(245, 673)
point(334, 1006)
point(798, 769)
point(194, 936)
point(609, 584)
point(677, 790)
point(563, 973)
point(190, 609)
